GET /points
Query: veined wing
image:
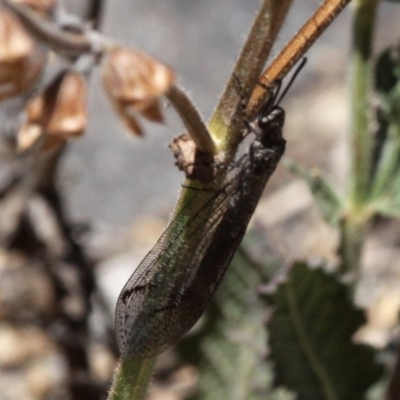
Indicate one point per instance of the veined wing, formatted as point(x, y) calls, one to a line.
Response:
point(158, 285)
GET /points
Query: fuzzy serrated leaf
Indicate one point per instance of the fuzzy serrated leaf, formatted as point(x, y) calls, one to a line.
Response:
point(325, 197)
point(229, 347)
point(385, 182)
point(388, 204)
point(311, 343)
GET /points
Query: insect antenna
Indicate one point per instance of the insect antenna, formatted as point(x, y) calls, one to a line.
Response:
point(290, 83)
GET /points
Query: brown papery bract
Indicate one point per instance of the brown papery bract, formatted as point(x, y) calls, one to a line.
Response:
point(21, 58)
point(59, 113)
point(134, 81)
point(69, 117)
point(62, 109)
point(150, 110)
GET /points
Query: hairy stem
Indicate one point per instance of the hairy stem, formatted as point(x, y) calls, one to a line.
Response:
point(191, 119)
point(226, 122)
point(352, 237)
point(131, 379)
point(49, 33)
point(355, 224)
point(361, 85)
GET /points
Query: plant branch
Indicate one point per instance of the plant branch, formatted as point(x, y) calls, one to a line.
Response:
point(296, 49)
point(356, 220)
point(49, 33)
point(227, 120)
point(361, 78)
point(191, 119)
point(352, 237)
point(131, 379)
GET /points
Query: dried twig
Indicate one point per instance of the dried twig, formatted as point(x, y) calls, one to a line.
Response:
point(296, 49)
point(50, 34)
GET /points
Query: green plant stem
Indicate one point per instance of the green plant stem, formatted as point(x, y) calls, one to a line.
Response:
point(191, 119)
point(227, 120)
point(352, 237)
point(355, 223)
point(361, 78)
point(131, 379)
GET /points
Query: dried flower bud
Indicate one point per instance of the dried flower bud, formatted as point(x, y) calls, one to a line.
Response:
point(133, 81)
point(59, 113)
point(128, 118)
point(61, 110)
point(150, 110)
point(21, 58)
point(44, 7)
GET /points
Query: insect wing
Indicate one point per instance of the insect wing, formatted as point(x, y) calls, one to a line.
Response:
point(147, 320)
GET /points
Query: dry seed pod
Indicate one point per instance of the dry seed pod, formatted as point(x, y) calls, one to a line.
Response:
point(128, 118)
point(69, 117)
point(21, 58)
point(150, 110)
point(62, 109)
point(59, 113)
point(133, 81)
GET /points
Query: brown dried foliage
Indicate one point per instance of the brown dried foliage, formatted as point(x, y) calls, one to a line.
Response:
point(133, 82)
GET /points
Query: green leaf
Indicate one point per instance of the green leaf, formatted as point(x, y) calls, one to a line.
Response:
point(387, 168)
point(384, 194)
point(230, 346)
point(387, 75)
point(325, 197)
point(389, 202)
point(387, 86)
point(311, 333)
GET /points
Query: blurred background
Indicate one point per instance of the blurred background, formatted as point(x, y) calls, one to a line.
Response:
point(119, 190)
